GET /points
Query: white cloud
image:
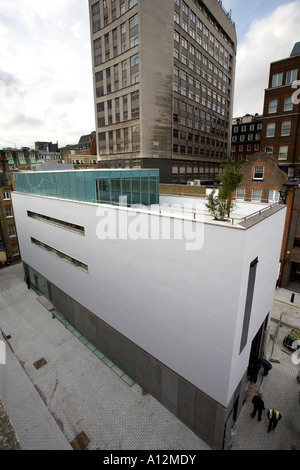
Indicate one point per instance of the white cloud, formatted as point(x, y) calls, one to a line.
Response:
point(45, 72)
point(269, 39)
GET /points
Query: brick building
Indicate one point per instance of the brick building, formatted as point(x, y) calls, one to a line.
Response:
point(9, 246)
point(273, 174)
point(83, 154)
point(280, 133)
point(263, 180)
point(246, 133)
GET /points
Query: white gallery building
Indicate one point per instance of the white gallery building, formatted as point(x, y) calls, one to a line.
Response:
point(177, 300)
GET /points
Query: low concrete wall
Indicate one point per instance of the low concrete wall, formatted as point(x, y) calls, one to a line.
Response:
point(181, 190)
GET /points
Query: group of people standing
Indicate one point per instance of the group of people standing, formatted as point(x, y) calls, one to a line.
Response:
point(259, 406)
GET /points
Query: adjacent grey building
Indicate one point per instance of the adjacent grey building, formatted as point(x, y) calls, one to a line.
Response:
point(163, 83)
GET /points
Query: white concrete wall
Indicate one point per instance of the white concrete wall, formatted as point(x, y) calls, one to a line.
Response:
point(184, 307)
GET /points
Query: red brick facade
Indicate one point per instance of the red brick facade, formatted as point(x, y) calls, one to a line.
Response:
point(282, 115)
point(272, 178)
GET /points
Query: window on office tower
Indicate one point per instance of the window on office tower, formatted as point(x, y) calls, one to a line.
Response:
point(95, 9)
point(134, 60)
point(132, 3)
point(133, 21)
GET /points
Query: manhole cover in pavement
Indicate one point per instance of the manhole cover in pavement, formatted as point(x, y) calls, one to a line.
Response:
point(80, 441)
point(40, 363)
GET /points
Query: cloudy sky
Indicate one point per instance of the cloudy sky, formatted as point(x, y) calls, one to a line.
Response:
point(46, 89)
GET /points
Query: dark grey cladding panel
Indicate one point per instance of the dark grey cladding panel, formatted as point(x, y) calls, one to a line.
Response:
point(186, 396)
point(205, 416)
point(169, 389)
point(149, 374)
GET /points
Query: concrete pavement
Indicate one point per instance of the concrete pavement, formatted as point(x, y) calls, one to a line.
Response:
point(60, 395)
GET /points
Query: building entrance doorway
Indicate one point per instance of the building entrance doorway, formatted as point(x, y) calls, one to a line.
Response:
point(257, 350)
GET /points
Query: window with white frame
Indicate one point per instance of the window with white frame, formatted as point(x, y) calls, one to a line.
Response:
point(273, 195)
point(286, 128)
point(283, 152)
point(15, 250)
point(288, 104)
point(12, 231)
point(256, 195)
point(271, 130)
point(6, 196)
point(240, 194)
point(269, 150)
point(273, 106)
point(291, 76)
point(277, 79)
point(258, 172)
point(9, 211)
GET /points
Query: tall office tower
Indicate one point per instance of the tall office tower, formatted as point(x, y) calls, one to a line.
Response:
point(163, 83)
point(281, 117)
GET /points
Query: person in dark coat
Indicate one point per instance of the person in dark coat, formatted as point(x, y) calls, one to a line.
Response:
point(274, 417)
point(258, 406)
point(254, 370)
point(267, 366)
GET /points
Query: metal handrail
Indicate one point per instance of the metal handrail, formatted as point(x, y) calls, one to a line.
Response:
point(260, 211)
